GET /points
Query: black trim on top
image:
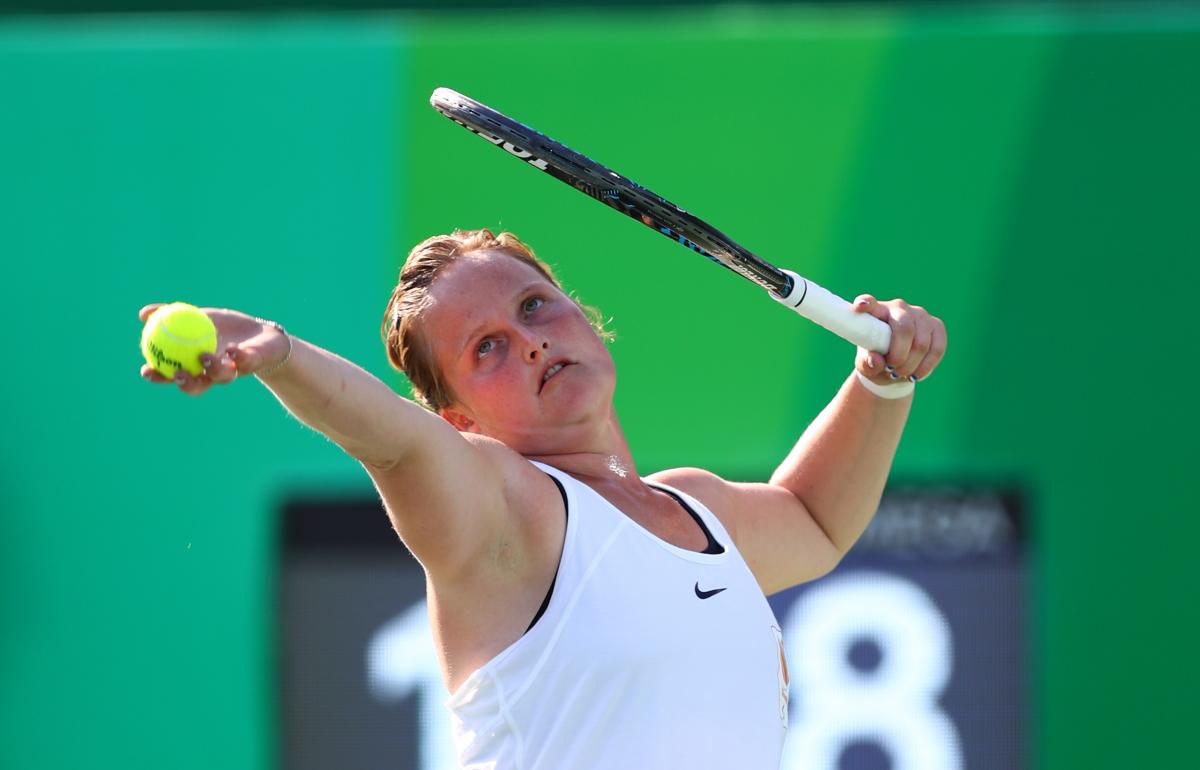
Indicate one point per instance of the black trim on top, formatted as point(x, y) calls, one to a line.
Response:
point(713, 546)
point(566, 514)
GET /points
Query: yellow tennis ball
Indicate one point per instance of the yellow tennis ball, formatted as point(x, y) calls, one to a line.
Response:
point(174, 337)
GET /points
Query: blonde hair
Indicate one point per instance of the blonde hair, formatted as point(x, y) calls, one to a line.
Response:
point(407, 348)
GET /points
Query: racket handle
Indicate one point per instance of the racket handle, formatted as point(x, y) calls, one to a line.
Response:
point(823, 307)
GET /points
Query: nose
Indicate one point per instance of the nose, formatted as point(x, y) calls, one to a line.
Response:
point(536, 348)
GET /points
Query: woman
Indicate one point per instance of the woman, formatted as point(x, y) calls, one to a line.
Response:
point(584, 616)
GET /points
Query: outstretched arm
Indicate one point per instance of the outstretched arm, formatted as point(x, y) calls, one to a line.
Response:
point(822, 496)
point(416, 458)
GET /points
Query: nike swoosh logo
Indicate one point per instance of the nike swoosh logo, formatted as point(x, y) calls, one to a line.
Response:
point(706, 594)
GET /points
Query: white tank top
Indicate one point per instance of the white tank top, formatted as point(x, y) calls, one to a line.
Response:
point(647, 656)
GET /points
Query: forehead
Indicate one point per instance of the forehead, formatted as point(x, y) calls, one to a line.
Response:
point(474, 289)
point(482, 270)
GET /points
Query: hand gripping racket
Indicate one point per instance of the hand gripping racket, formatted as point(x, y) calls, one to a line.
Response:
point(623, 194)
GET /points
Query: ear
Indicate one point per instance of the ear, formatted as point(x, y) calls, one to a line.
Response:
point(458, 419)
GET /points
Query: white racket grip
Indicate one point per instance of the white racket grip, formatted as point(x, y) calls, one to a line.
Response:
point(823, 307)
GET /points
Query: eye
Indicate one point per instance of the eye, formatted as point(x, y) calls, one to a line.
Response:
point(532, 304)
point(484, 348)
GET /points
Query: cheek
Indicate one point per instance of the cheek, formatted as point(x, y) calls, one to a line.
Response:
point(495, 387)
point(602, 353)
point(610, 370)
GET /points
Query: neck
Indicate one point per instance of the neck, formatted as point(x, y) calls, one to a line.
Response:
point(606, 458)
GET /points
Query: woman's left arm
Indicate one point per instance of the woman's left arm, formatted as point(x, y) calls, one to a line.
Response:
point(838, 468)
point(822, 496)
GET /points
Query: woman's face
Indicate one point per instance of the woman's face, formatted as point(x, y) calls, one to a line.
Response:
point(522, 361)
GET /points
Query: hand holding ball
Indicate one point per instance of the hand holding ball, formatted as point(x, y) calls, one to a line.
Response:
point(174, 337)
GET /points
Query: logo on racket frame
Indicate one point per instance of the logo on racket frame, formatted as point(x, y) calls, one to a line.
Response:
point(613, 198)
point(512, 149)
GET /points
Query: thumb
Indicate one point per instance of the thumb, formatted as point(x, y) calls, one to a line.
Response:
point(146, 310)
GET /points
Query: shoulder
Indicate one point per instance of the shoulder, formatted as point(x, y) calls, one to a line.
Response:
point(515, 469)
point(531, 498)
point(707, 487)
point(776, 534)
point(526, 486)
point(688, 479)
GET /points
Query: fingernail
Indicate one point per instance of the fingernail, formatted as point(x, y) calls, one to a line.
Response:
point(180, 376)
point(890, 368)
point(861, 303)
point(912, 378)
point(206, 360)
point(893, 375)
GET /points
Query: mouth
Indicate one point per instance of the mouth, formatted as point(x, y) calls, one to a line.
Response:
point(552, 370)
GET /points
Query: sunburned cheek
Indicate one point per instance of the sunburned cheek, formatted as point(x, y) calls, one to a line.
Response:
point(502, 390)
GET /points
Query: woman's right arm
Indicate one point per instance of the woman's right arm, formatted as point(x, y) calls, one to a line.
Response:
point(418, 461)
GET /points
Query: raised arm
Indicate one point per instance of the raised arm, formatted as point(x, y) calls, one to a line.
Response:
point(822, 496)
point(415, 458)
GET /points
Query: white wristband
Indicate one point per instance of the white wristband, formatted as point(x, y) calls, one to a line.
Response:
point(898, 389)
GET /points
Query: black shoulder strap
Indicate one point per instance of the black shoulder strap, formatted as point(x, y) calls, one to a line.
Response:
point(566, 514)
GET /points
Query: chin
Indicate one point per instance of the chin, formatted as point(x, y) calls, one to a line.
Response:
point(585, 396)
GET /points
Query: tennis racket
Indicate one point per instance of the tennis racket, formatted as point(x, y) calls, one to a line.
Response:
point(628, 197)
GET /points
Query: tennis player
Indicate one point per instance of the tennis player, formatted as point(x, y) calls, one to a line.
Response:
point(585, 616)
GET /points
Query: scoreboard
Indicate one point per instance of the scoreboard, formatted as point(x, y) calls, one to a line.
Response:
point(911, 655)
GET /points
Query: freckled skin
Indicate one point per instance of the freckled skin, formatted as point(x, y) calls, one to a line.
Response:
point(486, 524)
point(495, 326)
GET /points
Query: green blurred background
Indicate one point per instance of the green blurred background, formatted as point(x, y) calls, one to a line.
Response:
point(1029, 174)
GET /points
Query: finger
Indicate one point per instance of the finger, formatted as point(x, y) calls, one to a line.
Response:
point(247, 358)
point(937, 349)
point(866, 303)
point(902, 337)
point(145, 312)
point(870, 363)
point(221, 369)
point(151, 375)
point(242, 359)
point(921, 340)
point(193, 386)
